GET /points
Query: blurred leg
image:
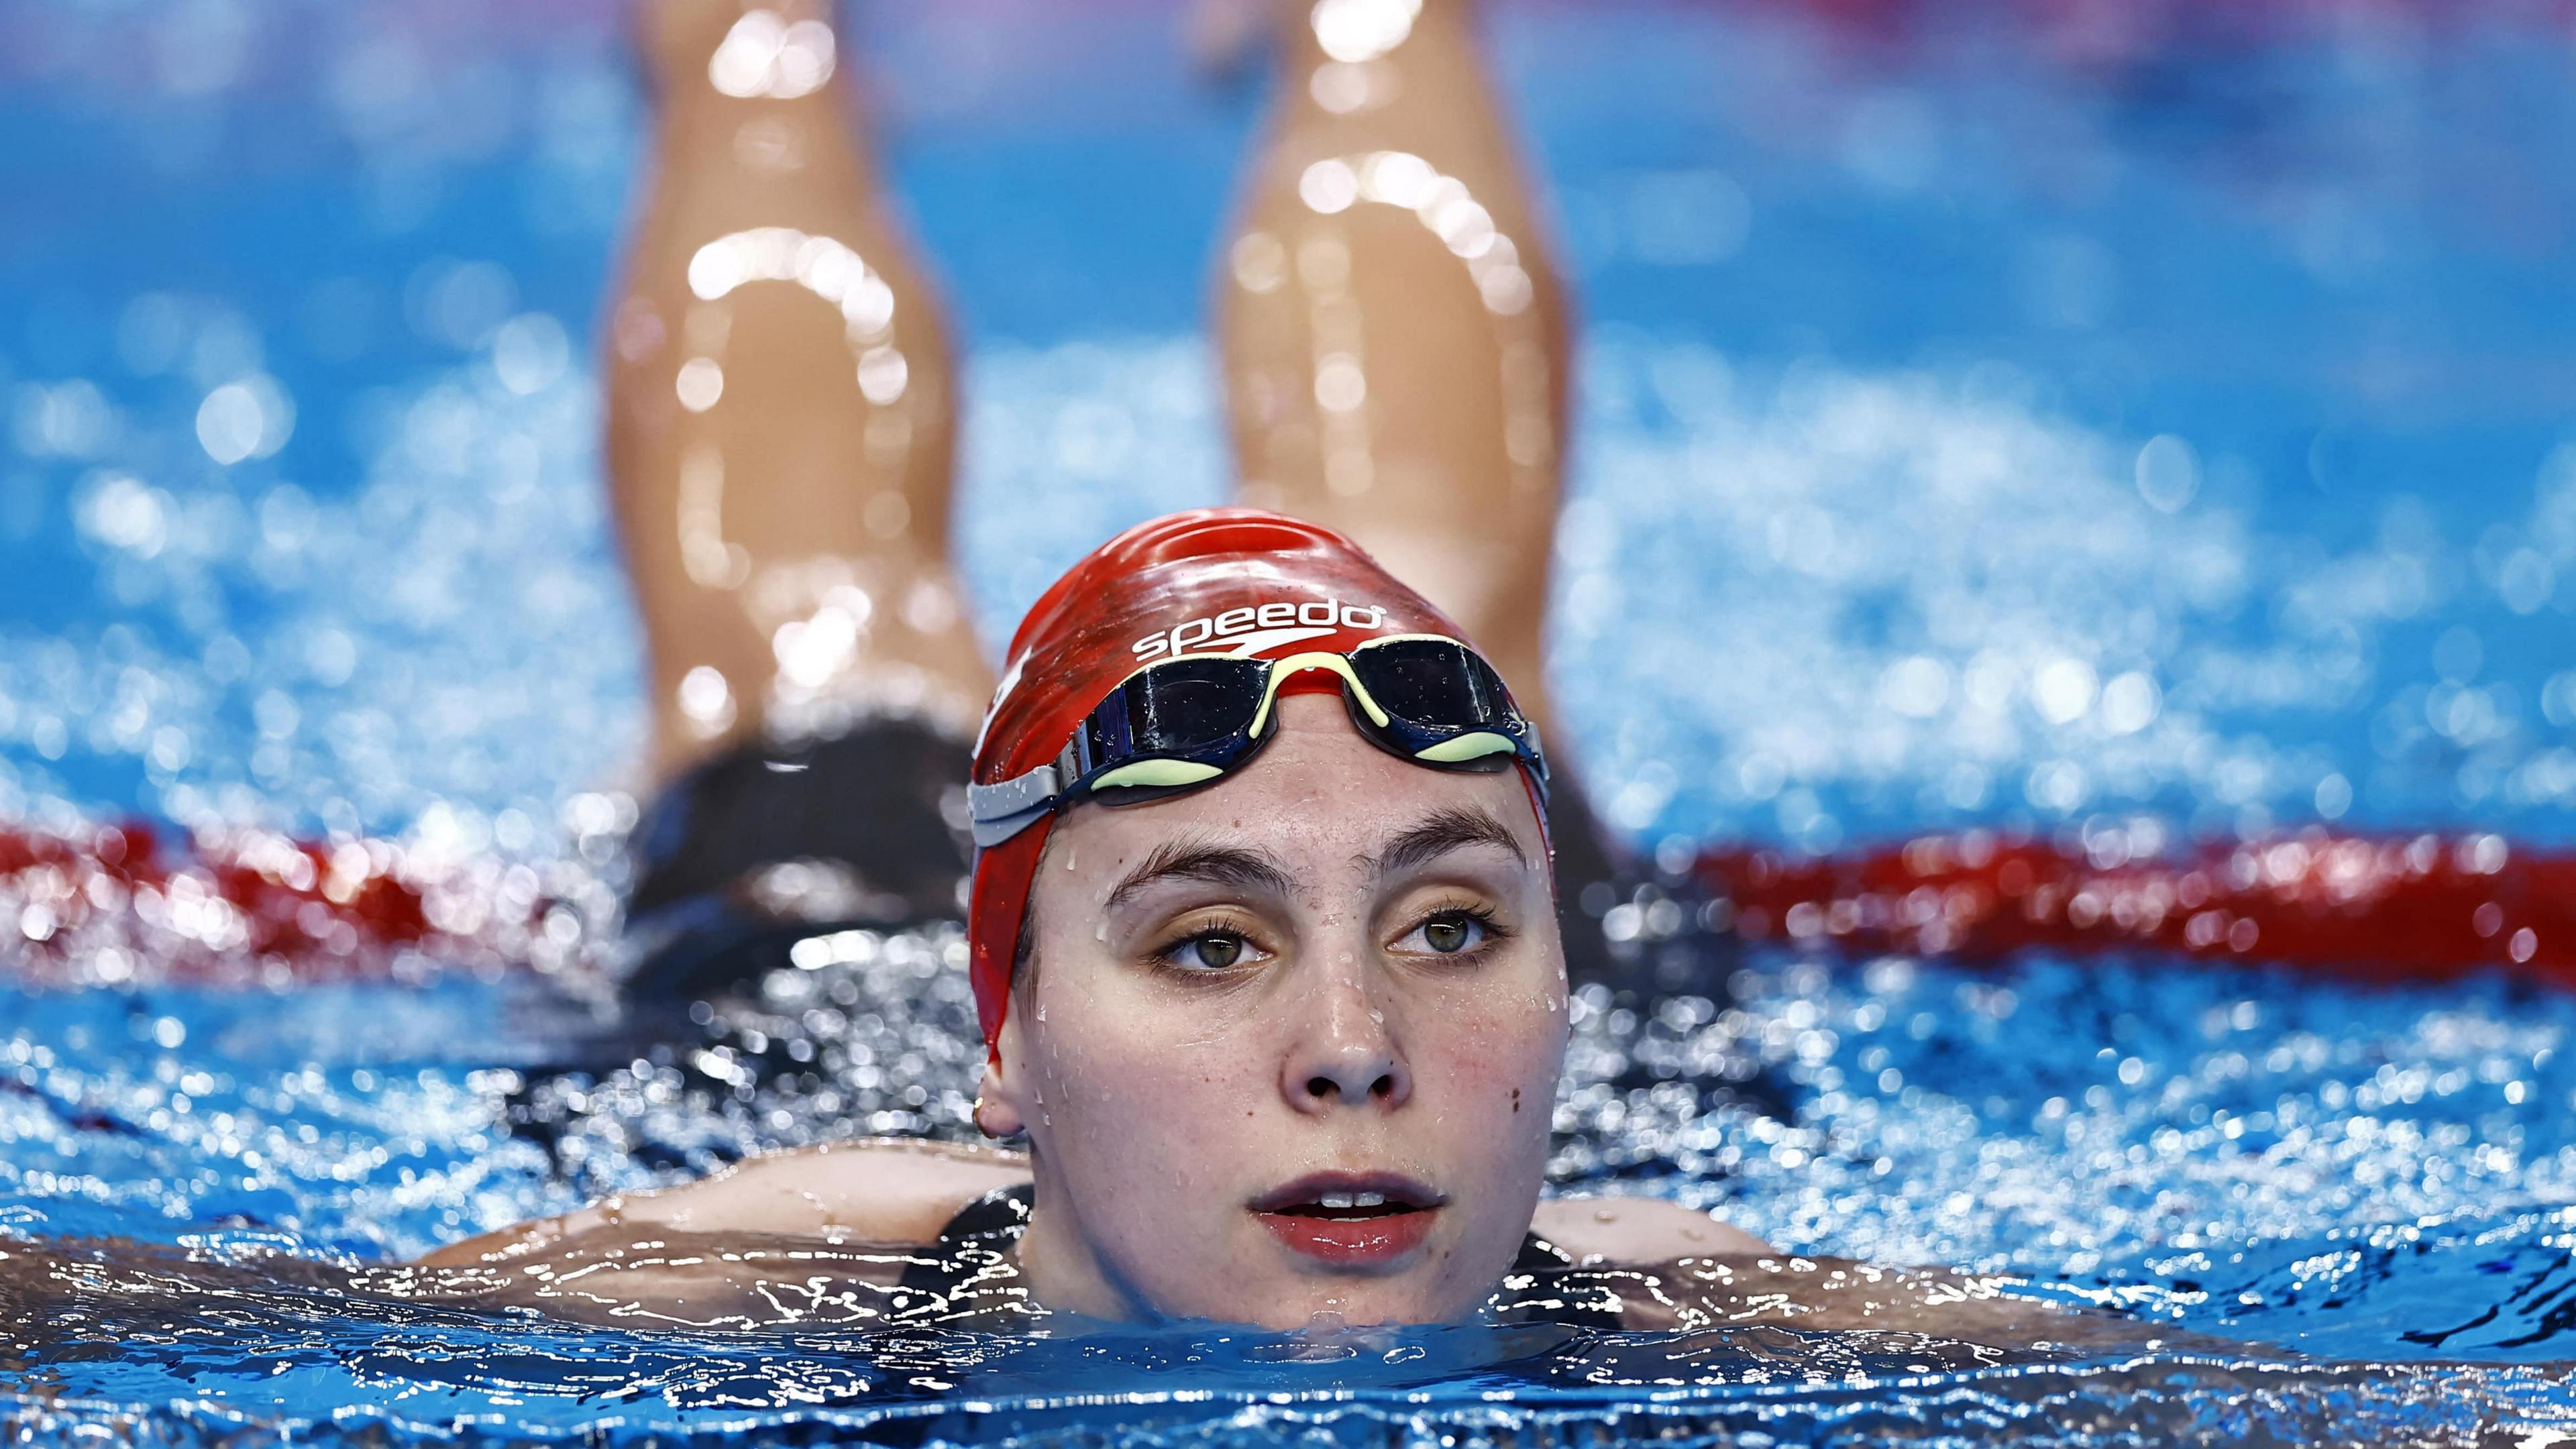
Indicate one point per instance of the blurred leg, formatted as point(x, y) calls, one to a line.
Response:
point(1393, 336)
point(780, 403)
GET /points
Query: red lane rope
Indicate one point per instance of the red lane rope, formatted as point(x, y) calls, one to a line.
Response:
point(115, 904)
point(2381, 908)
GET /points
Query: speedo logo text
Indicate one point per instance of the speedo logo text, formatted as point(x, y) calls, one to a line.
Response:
point(1257, 627)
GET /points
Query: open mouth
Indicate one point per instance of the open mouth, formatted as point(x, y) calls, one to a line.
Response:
point(1349, 1207)
point(1350, 1218)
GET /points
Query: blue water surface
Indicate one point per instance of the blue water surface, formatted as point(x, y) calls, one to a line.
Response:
point(2017, 416)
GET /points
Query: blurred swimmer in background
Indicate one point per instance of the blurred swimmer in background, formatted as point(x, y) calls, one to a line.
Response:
point(782, 410)
point(1263, 928)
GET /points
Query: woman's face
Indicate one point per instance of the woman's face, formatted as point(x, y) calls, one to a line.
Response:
point(1292, 1040)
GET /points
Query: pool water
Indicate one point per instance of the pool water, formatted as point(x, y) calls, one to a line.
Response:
point(2151, 427)
point(2365, 1190)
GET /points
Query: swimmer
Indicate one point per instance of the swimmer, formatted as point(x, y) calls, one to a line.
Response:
point(1263, 951)
point(1265, 958)
point(1264, 947)
point(1263, 929)
point(1284, 1043)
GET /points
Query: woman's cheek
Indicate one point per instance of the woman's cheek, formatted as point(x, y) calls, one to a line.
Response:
point(1503, 1071)
point(1501, 1022)
point(1140, 1065)
point(1172, 1126)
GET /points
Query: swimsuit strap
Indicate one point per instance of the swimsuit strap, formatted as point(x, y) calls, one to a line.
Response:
point(1546, 1285)
point(969, 1270)
point(994, 1220)
point(971, 1264)
point(998, 1218)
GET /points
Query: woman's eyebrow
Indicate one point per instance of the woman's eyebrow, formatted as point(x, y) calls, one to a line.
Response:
point(1203, 860)
point(1453, 828)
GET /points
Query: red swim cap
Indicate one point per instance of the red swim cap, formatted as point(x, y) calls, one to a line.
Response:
point(1238, 580)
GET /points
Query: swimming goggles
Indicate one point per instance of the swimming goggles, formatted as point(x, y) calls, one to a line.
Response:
point(1180, 723)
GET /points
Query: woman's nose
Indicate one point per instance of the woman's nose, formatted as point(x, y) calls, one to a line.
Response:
point(1349, 1059)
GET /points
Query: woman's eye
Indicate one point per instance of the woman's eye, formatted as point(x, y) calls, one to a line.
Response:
point(1451, 932)
point(1211, 951)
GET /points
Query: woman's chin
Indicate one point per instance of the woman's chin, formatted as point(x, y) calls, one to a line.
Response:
point(1377, 1304)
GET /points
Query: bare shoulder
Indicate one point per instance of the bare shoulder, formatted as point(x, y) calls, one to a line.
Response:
point(879, 1190)
point(1636, 1230)
point(883, 1190)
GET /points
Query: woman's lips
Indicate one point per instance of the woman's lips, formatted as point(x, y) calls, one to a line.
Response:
point(1350, 1218)
point(1352, 1240)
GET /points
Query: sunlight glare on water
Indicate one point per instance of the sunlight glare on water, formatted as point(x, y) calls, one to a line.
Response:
point(2137, 431)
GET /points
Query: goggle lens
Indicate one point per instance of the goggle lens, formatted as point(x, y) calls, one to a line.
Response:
point(1168, 714)
point(1432, 683)
point(1188, 705)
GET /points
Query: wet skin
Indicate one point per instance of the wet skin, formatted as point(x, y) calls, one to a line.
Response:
point(1333, 962)
point(1332, 973)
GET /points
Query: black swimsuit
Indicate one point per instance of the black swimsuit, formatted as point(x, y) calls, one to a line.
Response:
point(967, 1280)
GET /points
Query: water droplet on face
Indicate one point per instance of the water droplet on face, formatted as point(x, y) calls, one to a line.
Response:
point(1100, 932)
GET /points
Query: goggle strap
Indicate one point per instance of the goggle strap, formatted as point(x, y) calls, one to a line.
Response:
point(1004, 810)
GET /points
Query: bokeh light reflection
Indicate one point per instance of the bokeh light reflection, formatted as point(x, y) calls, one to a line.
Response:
point(2071, 527)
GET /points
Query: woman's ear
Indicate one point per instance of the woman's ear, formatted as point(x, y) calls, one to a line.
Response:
point(999, 1110)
